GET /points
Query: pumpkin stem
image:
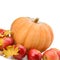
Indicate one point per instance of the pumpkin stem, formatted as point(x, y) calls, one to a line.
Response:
point(36, 20)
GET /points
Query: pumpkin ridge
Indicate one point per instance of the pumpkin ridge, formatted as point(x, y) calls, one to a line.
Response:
point(48, 38)
point(38, 35)
point(36, 40)
point(27, 34)
point(50, 31)
point(41, 46)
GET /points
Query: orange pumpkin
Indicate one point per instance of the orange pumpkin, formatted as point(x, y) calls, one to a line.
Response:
point(31, 34)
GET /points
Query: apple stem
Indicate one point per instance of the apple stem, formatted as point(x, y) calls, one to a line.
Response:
point(36, 20)
point(44, 58)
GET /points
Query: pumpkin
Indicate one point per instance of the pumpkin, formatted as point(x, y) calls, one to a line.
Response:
point(31, 34)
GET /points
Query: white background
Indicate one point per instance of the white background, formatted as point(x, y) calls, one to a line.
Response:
point(47, 10)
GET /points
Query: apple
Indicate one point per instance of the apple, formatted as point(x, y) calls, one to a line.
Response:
point(2, 31)
point(5, 41)
point(34, 54)
point(57, 50)
point(21, 52)
point(50, 55)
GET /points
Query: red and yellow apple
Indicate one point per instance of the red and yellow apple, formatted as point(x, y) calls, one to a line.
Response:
point(50, 55)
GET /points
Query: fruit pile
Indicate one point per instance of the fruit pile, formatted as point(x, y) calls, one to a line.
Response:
point(9, 49)
point(27, 37)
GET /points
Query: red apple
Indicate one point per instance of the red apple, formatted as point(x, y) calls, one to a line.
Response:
point(5, 41)
point(34, 54)
point(21, 53)
point(50, 55)
point(57, 50)
point(2, 31)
